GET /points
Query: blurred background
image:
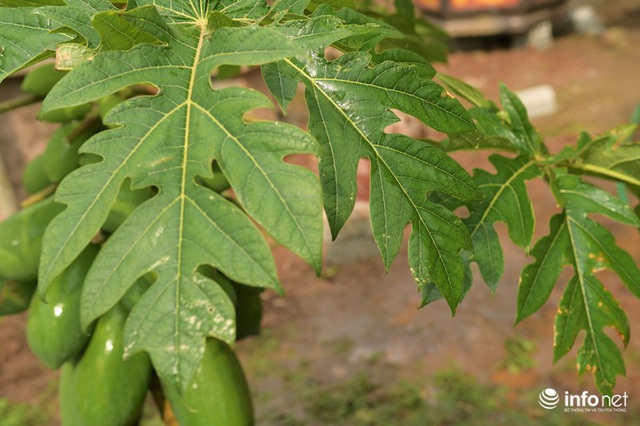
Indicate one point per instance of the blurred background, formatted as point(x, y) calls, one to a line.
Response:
point(351, 347)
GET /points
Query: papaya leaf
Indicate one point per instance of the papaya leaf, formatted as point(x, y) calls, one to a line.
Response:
point(465, 90)
point(122, 30)
point(576, 240)
point(611, 156)
point(166, 142)
point(503, 130)
point(586, 304)
point(505, 200)
point(76, 15)
point(529, 141)
point(25, 39)
point(349, 101)
point(29, 3)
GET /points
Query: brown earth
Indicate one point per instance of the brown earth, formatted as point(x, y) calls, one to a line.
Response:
point(359, 318)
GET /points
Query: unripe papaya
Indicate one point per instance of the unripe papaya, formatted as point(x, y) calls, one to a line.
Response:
point(88, 158)
point(66, 114)
point(135, 292)
point(218, 182)
point(218, 394)
point(15, 295)
point(67, 397)
point(224, 282)
point(54, 333)
point(107, 390)
point(34, 178)
point(41, 80)
point(21, 240)
point(126, 202)
point(248, 311)
point(107, 103)
point(61, 155)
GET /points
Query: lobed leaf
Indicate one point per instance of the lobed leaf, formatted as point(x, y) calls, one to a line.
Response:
point(349, 101)
point(611, 156)
point(76, 15)
point(25, 38)
point(576, 240)
point(166, 142)
point(505, 199)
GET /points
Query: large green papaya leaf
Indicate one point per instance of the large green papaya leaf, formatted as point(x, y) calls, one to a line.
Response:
point(350, 101)
point(165, 142)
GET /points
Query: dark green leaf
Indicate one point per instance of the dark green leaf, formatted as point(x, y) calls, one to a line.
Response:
point(529, 140)
point(76, 15)
point(349, 102)
point(123, 30)
point(587, 247)
point(464, 90)
point(505, 200)
point(25, 38)
point(612, 156)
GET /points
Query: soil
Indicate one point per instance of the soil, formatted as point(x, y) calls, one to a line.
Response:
point(356, 317)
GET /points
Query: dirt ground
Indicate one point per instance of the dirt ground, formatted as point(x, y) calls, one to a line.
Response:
point(357, 319)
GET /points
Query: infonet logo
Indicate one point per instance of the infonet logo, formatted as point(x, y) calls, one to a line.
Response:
point(583, 402)
point(549, 399)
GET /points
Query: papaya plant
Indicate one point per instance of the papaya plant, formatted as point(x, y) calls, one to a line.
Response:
point(160, 190)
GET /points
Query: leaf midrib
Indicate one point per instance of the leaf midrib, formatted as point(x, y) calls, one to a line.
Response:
point(266, 176)
point(183, 190)
point(495, 198)
point(583, 291)
point(381, 161)
point(539, 270)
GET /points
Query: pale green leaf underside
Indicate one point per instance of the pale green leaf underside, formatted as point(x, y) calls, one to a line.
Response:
point(166, 141)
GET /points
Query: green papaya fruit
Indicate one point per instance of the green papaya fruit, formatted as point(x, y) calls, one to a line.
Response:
point(107, 103)
point(248, 311)
point(54, 333)
point(15, 295)
point(109, 391)
point(41, 80)
point(34, 178)
point(21, 240)
point(134, 294)
point(125, 204)
point(222, 281)
point(218, 182)
point(61, 154)
point(88, 158)
point(66, 397)
point(218, 394)
point(64, 115)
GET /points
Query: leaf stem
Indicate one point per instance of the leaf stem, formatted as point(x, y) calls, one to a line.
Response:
point(166, 413)
point(8, 202)
point(16, 103)
point(38, 196)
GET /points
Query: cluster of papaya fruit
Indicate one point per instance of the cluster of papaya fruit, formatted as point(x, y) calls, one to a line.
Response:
point(97, 386)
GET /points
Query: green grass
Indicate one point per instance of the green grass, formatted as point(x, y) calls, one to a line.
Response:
point(519, 354)
point(21, 414)
point(450, 397)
